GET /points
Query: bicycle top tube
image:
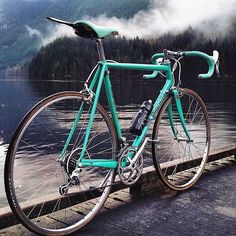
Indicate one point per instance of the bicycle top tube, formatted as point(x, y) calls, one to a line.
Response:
point(164, 64)
point(134, 66)
point(89, 30)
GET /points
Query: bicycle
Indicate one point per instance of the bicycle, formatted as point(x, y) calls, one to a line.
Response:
point(67, 151)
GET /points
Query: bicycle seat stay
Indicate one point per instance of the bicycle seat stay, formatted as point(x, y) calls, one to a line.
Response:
point(87, 29)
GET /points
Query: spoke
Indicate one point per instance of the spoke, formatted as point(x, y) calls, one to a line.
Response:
point(30, 145)
point(45, 200)
point(58, 203)
point(189, 109)
point(169, 132)
point(169, 151)
point(197, 149)
point(168, 148)
point(94, 135)
point(179, 155)
point(182, 154)
point(48, 192)
point(83, 127)
point(76, 144)
point(56, 113)
point(39, 169)
point(186, 150)
point(39, 174)
point(195, 115)
point(99, 143)
point(35, 186)
point(82, 202)
point(175, 169)
point(91, 193)
point(46, 128)
point(200, 121)
point(29, 198)
point(105, 179)
point(104, 151)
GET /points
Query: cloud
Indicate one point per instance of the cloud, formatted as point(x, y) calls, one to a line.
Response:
point(53, 32)
point(57, 31)
point(33, 32)
point(211, 17)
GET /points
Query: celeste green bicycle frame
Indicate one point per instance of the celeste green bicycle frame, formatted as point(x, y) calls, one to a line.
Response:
point(102, 76)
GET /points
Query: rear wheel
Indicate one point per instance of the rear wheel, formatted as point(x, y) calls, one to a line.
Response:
point(40, 190)
point(179, 162)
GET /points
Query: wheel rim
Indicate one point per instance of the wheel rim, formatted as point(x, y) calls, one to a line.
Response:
point(179, 162)
point(36, 176)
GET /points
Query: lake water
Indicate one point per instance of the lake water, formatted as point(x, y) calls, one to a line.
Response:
point(18, 95)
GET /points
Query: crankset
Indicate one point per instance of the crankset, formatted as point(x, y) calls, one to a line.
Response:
point(129, 171)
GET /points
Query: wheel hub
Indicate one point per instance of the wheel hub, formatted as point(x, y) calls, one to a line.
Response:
point(69, 162)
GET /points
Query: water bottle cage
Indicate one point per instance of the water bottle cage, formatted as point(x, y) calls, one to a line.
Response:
point(141, 118)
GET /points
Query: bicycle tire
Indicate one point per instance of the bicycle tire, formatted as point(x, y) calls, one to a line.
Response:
point(180, 163)
point(32, 187)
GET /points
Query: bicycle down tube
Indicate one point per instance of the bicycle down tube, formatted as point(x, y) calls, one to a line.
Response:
point(101, 76)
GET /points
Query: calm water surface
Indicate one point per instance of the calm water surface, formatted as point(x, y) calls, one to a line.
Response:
point(18, 95)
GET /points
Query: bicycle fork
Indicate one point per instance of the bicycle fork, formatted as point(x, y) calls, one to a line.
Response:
point(176, 96)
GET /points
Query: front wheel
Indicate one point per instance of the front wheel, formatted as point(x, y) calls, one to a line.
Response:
point(178, 161)
point(40, 190)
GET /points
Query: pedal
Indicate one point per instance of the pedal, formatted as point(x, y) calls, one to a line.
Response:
point(147, 152)
point(182, 139)
point(157, 141)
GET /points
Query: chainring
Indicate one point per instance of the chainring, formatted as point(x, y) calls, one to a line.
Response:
point(129, 173)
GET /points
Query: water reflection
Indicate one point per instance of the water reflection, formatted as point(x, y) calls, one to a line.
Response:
point(17, 96)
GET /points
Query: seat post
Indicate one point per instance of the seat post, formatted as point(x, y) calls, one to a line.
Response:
point(100, 49)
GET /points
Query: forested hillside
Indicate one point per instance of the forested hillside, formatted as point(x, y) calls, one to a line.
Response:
point(23, 25)
point(75, 57)
point(24, 29)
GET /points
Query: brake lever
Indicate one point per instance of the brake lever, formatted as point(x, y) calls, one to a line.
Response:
point(218, 69)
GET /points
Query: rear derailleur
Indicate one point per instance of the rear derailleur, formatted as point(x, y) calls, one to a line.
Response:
point(73, 180)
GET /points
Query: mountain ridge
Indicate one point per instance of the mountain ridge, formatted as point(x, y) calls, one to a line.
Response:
point(18, 44)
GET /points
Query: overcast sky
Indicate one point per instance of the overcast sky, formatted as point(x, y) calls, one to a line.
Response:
point(212, 17)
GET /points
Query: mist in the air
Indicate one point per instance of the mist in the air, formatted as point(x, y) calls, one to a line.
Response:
point(212, 18)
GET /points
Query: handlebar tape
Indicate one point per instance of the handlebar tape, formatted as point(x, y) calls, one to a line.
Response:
point(209, 59)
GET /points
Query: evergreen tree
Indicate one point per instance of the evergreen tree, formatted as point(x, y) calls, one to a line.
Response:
point(75, 57)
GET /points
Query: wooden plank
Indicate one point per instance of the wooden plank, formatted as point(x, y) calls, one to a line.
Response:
point(147, 181)
point(149, 178)
point(222, 153)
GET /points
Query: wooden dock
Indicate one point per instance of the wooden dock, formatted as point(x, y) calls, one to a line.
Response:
point(120, 194)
